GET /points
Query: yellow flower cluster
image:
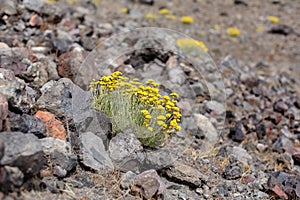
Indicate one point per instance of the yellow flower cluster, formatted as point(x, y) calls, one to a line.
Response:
point(187, 20)
point(164, 11)
point(233, 32)
point(190, 43)
point(273, 19)
point(151, 16)
point(151, 110)
point(125, 10)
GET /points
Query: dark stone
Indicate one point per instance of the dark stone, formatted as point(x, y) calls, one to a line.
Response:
point(238, 133)
point(23, 151)
point(61, 46)
point(233, 171)
point(240, 2)
point(147, 2)
point(93, 154)
point(158, 159)
point(10, 178)
point(127, 179)
point(280, 106)
point(65, 161)
point(282, 29)
point(260, 131)
point(282, 144)
point(87, 119)
point(15, 91)
point(27, 124)
point(57, 98)
point(125, 150)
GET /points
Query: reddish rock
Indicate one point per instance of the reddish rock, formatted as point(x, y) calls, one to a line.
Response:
point(148, 184)
point(279, 192)
point(54, 127)
point(36, 20)
point(247, 179)
point(64, 68)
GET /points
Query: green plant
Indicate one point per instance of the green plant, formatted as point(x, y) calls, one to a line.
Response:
point(132, 105)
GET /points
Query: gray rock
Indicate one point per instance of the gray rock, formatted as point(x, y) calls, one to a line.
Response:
point(1, 150)
point(282, 144)
point(233, 171)
point(93, 153)
point(64, 162)
point(154, 71)
point(60, 45)
point(187, 174)
point(177, 76)
point(214, 106)
point(198, 88)
point(51, 144)
point(27, 124)
point(125, 150)
point(11, 178)
point(158, 159)
point(34, 5)
point(15, 91)
point(206, 128)
point(8, 7)
point(39, 72)
point(185, 106)
point(59, 172)
point(23, 151)
point(241, 155)
point(127, 179)
point(88, 43)
point(57, 99)
point(149, 184)
point(87, 119)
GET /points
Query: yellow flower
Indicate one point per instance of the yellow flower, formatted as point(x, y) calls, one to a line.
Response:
point(145, 112)
point(176, 109)
point(148, 116)
point(187, 20)
point(173, 123)
point(168, 115)
point(165, 97)
point(177, 114)
point(174, 95)
point(273, 19)
point(178, 128)
point(164, 11)
point(161, 123)
point(124, 10)
point(161, 117)
point(150, 16)
point(116, 74)
point(233, 32)
point(150, 129)
point(160, 107)
point(145, 123)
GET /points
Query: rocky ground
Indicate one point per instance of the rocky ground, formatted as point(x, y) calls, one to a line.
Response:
point(244, 146)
